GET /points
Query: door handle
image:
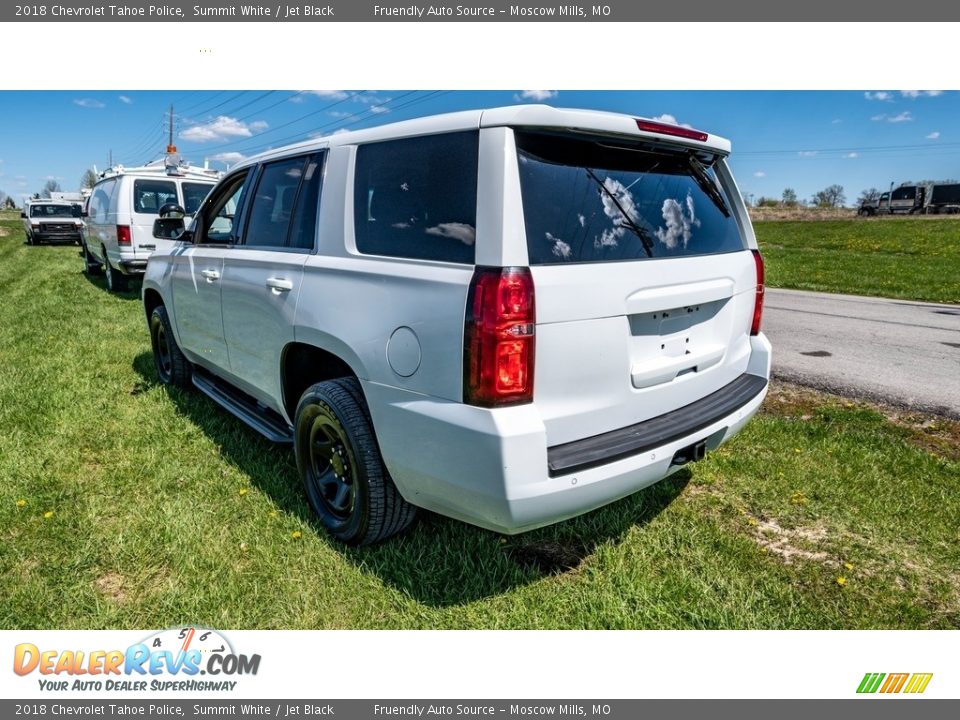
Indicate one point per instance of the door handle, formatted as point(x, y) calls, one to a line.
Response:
point(210, 275)
point(279, 284)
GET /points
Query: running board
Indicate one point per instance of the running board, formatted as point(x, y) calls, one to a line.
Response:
point(265, 421)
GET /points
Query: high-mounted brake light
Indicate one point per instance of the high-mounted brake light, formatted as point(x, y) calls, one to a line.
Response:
point(673, 130)
point(123, 234)
point(499, 337)
point(758, 301)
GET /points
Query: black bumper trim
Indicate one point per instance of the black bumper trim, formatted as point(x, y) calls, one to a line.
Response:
point(649, 434)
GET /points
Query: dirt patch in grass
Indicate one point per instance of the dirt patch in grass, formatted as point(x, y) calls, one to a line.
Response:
point(110, 586)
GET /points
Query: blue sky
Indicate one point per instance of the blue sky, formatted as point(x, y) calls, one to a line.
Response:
point(800, 139)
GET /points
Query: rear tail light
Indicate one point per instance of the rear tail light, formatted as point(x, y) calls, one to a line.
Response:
point(123, 234)
point(758, 301)
point(499, 337)
point(672, 130)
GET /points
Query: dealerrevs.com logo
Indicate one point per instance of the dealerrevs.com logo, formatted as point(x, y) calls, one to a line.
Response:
point(910, 683)
point(178, 659)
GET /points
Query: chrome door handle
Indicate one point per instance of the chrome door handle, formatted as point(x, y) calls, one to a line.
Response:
point(279, 284)
point(210, 275)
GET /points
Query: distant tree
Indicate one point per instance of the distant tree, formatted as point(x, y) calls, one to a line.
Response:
point(88, 180)
point(868, 196)
point(830, 197)
point(789, 197)
point(50, 186)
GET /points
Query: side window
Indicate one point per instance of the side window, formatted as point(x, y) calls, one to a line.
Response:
point(271, 205)
point(151, 195)
point(304, 225)
point(417, 197)
point(219, 211)
point(193, 195)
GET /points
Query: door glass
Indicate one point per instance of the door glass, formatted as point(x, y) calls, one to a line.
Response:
point(272, 203)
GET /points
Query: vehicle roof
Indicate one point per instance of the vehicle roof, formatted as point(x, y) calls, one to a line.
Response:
point(541, 116)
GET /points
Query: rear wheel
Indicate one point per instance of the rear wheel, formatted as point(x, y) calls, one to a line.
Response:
point(346, 482)
point(116, 281)
point(172, 366)
point(90, 264)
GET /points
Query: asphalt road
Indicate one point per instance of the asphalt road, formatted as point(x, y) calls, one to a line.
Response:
point(896, 351)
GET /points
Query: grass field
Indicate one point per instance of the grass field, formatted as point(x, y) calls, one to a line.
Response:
point(915, 258)
point(125, 504)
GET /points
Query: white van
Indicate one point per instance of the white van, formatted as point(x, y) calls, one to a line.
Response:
point(509, 316)
point(121, 211)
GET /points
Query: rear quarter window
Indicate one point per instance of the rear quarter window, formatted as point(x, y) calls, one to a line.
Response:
point(601, 200)
point(417, 197)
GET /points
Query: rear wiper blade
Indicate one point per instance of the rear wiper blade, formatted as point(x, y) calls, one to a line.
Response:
point(708, 185)
point(628, 222)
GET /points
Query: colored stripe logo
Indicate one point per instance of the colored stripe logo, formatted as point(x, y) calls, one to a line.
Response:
point(913, 683)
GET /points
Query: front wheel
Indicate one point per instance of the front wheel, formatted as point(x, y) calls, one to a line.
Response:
point(172, 366)
point(346, 482)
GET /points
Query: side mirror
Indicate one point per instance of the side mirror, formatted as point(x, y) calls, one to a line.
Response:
point(170, 225)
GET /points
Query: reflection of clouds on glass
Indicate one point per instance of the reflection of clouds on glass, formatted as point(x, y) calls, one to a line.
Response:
point(467, 234)
point(560, 248)
point(679, 224)
point(611, 236)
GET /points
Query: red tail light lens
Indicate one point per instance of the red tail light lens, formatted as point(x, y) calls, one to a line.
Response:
point(758, 302)
point(499, 337)
point(672, 130)
point(123, 234)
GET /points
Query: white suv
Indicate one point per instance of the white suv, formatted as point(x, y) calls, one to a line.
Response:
point(118, 236)
point(509, 316)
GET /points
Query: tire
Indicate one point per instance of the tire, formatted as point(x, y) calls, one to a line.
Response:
point(346, 482)
point(90, 264)
point(171, 364)
point(116, 281)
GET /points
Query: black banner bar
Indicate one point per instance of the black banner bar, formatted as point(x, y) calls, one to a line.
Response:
point(860, 12)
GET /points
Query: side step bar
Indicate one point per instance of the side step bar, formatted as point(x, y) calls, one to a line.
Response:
point(242, 406)
point(649, 434)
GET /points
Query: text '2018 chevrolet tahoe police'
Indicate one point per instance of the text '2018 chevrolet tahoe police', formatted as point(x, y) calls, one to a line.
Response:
point(509, 316)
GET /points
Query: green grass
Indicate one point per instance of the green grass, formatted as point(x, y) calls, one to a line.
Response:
point(168, 511)
point(910, 258)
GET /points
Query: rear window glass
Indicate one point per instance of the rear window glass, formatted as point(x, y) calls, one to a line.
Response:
point(151, 195)
point(600, 200)
point(417, 197)
point(193, 195)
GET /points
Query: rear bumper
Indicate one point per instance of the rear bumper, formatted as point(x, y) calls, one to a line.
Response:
point(492, 467)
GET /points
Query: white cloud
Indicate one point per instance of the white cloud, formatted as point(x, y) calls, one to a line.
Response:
point(222, 128)
point(679, 222)
point(759, 173)
point(852, 155)
point(808, 153)
point(905, 116)
point(881, 95)
point(88, 103)
point(230, 158)
point(466, 234)
point(913, 94)
point(535, 95)
point(935, 135)
point(668, 118)
point(125, 100)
